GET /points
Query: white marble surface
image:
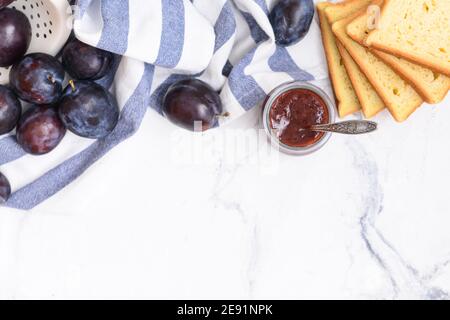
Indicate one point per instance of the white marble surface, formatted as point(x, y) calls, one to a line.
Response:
point(366, 217)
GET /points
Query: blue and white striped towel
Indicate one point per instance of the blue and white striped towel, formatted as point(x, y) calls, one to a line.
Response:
point(227, 43)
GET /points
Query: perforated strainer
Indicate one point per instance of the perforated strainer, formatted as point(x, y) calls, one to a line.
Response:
point(50, 23)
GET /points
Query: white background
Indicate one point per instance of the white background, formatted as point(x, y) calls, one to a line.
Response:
point(366, 217)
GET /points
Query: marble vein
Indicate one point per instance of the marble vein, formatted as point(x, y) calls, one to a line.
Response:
point(404, 278)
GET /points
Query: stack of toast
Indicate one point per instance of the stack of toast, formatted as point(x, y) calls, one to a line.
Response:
point(392, 54)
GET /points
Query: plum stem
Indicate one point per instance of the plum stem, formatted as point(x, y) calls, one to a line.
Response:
point(72, 85)
point(224, 115)
point(51, 79)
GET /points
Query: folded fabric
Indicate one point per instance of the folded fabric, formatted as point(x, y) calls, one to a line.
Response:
point(226, 43)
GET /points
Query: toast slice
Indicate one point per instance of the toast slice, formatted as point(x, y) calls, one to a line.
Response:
point(417, 30)
point(432, 86)
point(346, 97)
point(342, 10)
point(371, 102)
point(347, 101)
point(400, 98)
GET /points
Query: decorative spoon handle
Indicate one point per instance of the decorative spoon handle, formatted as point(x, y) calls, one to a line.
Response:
point(347, 127)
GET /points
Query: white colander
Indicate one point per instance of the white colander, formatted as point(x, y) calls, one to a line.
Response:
point(51, 26)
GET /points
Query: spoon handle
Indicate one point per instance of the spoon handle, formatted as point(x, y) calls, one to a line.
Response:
point(347, 127)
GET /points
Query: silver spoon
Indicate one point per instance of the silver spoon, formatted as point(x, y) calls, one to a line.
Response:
point(347, 127)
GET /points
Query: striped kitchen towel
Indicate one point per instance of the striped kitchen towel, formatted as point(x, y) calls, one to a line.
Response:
point(226, 43)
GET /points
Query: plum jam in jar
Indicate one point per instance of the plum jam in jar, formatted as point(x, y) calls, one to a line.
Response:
point(290, 110)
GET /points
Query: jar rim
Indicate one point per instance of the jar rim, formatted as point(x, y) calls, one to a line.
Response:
point(275, 94)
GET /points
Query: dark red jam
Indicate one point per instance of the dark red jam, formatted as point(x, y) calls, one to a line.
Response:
point(294, 112)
